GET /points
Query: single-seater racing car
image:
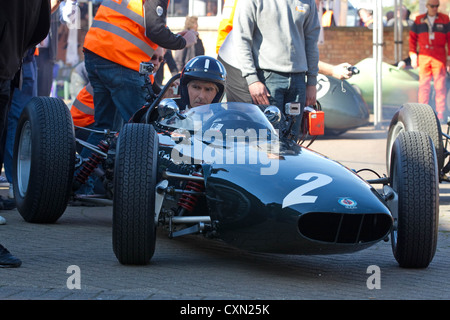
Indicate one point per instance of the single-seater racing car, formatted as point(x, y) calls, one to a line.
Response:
point(228, 171)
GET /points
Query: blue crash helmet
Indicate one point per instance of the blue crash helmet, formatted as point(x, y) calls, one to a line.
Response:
point(202, 68)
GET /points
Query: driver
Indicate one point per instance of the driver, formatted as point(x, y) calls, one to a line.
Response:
point(202, 81)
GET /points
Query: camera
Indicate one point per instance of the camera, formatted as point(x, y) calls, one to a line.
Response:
point(353, 70)
point(293, 108)
point(146, 68)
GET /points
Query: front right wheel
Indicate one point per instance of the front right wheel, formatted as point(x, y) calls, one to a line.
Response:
point(414, 178)
point(134, 227)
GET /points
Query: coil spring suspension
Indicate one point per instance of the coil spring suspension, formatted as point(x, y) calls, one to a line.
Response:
point(188, 201)
point(89, 165)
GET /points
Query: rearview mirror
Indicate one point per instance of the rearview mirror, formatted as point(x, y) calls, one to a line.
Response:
point(273, 114)
point(167, 108)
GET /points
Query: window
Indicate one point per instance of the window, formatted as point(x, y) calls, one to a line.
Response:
point(178, 8)
point(199, 8)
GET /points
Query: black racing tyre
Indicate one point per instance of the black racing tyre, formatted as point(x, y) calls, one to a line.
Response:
point(414, 178)
point(43, 160)
point(416, 117)
point(134, 227)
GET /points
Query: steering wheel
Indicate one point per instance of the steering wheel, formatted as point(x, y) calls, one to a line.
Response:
point(227, 115)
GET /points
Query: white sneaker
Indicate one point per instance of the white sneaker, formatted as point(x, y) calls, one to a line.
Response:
point(2, 220)
point(11, 191)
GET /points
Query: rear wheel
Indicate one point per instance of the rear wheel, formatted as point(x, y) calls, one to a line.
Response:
point(134, 228)
point(43, 160)
point(414, 179)
point(416, 117)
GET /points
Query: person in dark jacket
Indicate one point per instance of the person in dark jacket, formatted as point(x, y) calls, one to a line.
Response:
point(23, 24)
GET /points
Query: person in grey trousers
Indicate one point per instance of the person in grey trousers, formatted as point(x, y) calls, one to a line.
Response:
point(276, 45)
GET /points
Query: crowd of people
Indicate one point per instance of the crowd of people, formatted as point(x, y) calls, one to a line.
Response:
point(254, 63)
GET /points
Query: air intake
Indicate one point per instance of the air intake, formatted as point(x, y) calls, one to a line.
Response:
point(344, 228)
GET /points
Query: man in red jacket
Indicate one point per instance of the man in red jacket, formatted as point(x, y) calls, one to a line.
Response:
point(431, 34)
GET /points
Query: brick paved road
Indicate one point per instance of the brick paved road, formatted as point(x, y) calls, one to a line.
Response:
point(194, 268)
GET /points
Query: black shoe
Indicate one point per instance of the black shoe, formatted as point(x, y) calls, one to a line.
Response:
point(7, 204)
point(7, 260)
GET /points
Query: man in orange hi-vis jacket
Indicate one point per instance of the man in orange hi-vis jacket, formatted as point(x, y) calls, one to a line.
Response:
point(125, 33)
point(431, 33)
point(82, 109)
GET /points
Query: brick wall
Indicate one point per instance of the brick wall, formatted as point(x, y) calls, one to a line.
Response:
point(342, 44)
point(347, 44)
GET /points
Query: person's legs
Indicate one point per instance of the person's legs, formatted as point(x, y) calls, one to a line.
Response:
point(277, 84)
point(20, 99)
point(284, 88)
point(128, 93)
point(104, 111)
point(439, 78)
point(6, 258)
point(236, 86)
point(104, 107)
point(118, 94)
point(117, 90)
point(5, 105)
point(297, 93)
point(5, 94)
point(425, 75)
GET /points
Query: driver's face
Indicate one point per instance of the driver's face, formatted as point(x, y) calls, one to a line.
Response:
point(201, 92)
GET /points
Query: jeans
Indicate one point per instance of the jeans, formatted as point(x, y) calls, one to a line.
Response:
point(118, 94)
point(284, 88)
point(20, 99)
point(5, 94)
